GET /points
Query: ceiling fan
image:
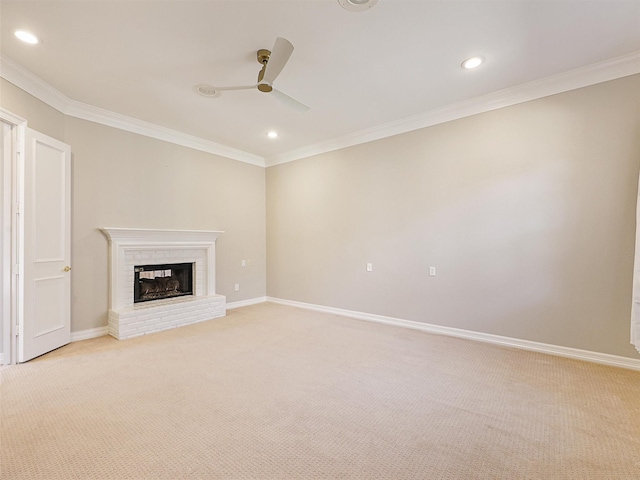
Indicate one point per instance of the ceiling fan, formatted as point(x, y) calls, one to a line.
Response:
point(272, 64)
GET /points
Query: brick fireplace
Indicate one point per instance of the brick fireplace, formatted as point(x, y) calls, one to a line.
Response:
point(129, 249)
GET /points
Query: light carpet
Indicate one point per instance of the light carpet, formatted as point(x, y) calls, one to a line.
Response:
point(277, 392)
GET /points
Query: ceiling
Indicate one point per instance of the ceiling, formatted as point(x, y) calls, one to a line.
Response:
point(356, 70)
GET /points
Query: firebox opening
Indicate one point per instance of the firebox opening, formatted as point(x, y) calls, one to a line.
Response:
point(155, 282)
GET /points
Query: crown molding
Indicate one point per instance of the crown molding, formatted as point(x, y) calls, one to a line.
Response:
point(573, 79)
point(123, 122)
point(21, 77)
point(34, 85)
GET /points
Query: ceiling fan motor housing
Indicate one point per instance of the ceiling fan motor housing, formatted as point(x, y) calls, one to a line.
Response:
point(263, 57)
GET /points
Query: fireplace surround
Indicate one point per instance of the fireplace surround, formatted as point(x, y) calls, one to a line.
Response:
point(153, 251)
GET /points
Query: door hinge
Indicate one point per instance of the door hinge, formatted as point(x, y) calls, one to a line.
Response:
point(16, 269)
point(18, 208)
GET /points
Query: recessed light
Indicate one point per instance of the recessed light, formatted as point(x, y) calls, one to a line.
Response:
point(272, 134)
point(472, 62)
point(27, 37)
point(357, 5)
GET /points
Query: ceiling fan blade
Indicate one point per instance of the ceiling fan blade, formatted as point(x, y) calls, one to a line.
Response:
point(240, 87)
point(290, 101)
point(280, 54)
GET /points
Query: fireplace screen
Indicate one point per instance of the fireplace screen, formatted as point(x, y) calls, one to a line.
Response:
point(155, 282)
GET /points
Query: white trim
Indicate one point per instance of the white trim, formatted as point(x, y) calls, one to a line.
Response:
point(34, 85)
point(135, 236)
point(12, 300)
point(9, 117)
point(2, 359)
point(635, 294)
point(574, 353)
point(246, 303)
point(89, 333)
point(581, 77)
point(147, 129)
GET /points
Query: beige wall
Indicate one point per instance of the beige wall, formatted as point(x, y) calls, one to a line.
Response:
point(120, 179)
point(527, 212)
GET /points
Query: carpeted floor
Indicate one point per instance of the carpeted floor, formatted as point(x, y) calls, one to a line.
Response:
point(275, 392)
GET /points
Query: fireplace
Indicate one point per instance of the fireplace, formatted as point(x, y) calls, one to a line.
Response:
point(155, 282)
point(174, 268)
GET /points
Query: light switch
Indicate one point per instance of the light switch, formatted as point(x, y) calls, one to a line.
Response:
point(432, 271)
point(369, 267)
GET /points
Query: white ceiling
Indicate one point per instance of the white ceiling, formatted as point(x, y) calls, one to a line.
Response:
point(355, 70)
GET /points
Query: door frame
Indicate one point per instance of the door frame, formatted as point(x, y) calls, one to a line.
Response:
point(11, 285)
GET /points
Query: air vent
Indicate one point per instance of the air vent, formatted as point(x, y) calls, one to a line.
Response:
point(207, 90)
point(357, 5)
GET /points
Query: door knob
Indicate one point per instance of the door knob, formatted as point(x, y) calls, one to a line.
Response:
point(67, 268)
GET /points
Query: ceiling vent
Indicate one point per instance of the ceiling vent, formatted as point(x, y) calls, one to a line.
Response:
point(357, 5)
point(207, 90)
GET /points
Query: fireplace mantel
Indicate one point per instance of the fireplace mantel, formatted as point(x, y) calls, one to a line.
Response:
point(134, 246)
point(148, 235)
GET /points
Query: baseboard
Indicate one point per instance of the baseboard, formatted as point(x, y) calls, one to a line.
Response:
point(89, 333)
point(574, 353)
point(1, 358)
point(246, 303)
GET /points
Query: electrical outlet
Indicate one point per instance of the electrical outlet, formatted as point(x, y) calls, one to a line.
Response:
point(432, 271)
point(237, 287)
point(248, 263)
point(244, 263)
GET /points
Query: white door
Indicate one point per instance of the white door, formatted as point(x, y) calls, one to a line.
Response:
point(45, 321)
